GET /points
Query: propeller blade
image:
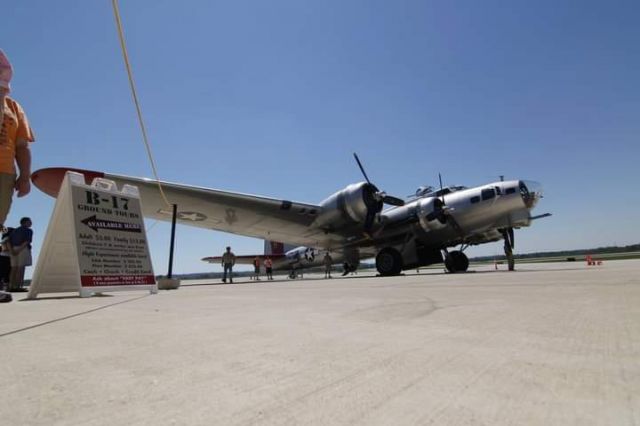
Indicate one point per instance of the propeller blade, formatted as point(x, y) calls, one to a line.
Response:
point(440, 179)
point(455, 225)
point(511, 236)
point(507, 234)
point(380, 195)
point(393, 201)
point(361, 168)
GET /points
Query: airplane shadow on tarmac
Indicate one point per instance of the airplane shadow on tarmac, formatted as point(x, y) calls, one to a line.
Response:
point(429, 272)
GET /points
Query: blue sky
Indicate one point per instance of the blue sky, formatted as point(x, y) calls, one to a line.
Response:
point(272, 98)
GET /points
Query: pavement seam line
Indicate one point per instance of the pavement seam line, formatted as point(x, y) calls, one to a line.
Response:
point(20, 330)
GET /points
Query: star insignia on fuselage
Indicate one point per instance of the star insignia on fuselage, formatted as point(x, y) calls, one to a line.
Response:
point(309, 254)
point(230, 216)
point(191, 216)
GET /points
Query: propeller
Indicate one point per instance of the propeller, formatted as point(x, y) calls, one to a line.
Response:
point(442, 212)
point(509, 237)
point(380, 195)
point(439, 206)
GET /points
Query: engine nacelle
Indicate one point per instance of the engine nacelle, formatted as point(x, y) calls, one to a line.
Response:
point(431, 215)
point(350, 206)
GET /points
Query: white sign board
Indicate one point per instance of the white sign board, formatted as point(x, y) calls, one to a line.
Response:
point(95, 241)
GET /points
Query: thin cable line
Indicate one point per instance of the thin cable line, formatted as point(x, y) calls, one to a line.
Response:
point(123, 46)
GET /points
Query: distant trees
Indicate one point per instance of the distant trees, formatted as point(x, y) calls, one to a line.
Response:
point(567, 253)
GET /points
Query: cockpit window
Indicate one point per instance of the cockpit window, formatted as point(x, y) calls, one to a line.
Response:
point(498, 190)
point(488, 194)
point(510, 190)
point(523, 189)
point(448, 190)
point(474, 199)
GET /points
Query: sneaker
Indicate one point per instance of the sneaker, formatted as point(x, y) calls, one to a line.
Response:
point(5, 297)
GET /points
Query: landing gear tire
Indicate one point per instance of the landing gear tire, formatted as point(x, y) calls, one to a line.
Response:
point(456, 261)
point(389, 262)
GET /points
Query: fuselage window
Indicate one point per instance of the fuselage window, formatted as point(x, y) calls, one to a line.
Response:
point(510, 190)
point(488, 194)
point(475, 199)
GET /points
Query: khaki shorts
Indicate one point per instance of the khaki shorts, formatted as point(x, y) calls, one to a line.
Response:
point(23, 258)
point(7, 185)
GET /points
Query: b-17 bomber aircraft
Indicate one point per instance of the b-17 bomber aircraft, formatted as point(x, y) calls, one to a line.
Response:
point(352, 223)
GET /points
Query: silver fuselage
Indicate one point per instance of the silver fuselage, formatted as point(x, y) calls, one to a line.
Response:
point(480, 212)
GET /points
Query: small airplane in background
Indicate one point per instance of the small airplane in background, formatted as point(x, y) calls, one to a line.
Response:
point(286, 257)
point(351, 223)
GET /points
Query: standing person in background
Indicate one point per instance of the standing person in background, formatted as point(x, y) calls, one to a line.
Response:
point(20, 240)
point(228, 260)
point(268, 265)
point(256, 268)
point(5, 259)
point(15, 136)
point(328, 262)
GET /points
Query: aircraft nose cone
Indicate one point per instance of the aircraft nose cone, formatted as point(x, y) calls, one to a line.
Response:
point(531, 192)
point(535, 188)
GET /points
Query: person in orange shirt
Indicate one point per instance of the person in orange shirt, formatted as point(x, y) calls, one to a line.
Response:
point(268, 264)
point(15, 136)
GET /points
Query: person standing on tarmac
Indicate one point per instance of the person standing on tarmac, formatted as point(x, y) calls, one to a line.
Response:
point(15, 137)
point(268, 265)
point(20, 243)
point(228, 260)
point(328, 262)
point(5, 258)
point(256, 268)
point(5, 266)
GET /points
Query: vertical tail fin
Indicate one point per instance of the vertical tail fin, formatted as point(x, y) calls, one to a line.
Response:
point(276, 248)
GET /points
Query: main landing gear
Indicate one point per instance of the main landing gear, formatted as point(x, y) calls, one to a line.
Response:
point(507, 234)
point(389, 262)
point(295, 273)
point(456, 261)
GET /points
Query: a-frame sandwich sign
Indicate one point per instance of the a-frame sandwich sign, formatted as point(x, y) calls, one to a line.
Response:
point(95, 241)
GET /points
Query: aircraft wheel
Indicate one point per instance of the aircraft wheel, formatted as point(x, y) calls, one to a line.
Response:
point(389, 262)
point(456, 261)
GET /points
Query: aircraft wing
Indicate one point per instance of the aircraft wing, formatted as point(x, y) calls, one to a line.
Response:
point(488, 236)
point(243, 260)
point(242, 214)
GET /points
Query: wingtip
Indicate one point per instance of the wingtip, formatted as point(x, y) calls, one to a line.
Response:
point(50, 179)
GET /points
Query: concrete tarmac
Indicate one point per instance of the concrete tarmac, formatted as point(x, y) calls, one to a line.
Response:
point(548, 344)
